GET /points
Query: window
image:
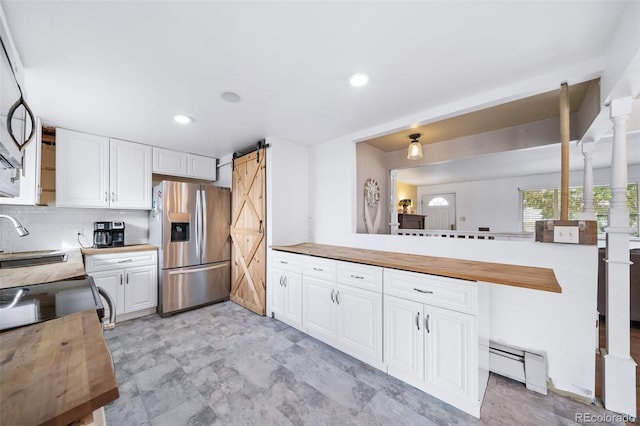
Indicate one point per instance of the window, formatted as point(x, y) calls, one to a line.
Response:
point(541, 204)
point(438, 201)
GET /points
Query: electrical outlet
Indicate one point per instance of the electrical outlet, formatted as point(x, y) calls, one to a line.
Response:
point(80, 231)
point(566, 234)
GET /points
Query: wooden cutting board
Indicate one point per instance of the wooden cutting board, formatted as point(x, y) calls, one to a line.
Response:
point(55, 372)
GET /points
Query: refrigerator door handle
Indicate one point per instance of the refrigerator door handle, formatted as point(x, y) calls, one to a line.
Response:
point(198, 223)
point(203, 225)
point(182, 271)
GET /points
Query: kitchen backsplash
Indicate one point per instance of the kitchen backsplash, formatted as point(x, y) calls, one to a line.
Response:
point(56, 227)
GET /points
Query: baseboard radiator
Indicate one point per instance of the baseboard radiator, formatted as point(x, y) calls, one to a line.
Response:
point(519, 364)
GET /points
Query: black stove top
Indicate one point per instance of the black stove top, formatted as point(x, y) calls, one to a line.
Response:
point(25, 305)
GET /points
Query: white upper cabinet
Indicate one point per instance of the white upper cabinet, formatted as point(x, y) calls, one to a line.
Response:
point(169, 162)
point(129, 175)
point(93, 171)
point(202, 167)
point(82, 169)
point(176, 163)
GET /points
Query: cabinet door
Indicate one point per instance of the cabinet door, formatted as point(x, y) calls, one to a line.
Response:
point(449, 352)
point(318, 310)
point(359, 323)
point(404, 339)
point(130, 175)
point(293, 299)
point(276, 289)
point(141, 288)
point(113, 282)
point(82, 169)
point(202, 167)
point(169, 162)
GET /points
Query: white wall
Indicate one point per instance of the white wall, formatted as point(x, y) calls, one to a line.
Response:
point(56, 227)
point(371, 164)
point(495, 203)
point(560, 324)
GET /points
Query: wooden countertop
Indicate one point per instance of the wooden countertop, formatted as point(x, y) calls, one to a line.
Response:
point(124, 249)
point(38, 274)
point(499, 273)
point(55, 372)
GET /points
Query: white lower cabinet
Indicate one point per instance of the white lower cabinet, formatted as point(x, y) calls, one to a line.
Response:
point(433, 331)
point(131, 279)
point(439, 350)
point(342, 315)
point(286, 302)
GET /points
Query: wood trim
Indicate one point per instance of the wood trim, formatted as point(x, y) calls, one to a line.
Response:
point(498, 273)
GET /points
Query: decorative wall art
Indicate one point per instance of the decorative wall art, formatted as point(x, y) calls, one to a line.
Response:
point(372, 202)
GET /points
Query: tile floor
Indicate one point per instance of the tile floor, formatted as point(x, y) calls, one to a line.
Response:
point(223, 365)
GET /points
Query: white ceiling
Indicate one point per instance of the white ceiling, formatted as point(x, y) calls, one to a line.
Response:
point(121, 69)
point(523, 162)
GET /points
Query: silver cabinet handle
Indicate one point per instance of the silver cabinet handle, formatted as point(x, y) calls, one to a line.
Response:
point(285, 281)
point(281, 280)
point(426, 323)
point(127, 280)
point(120, 279)
point(113, 197)
point(332, 300)
point(357, 277)
point(418, 320)
point(106, 196)
point(337, 300)
point(423, 291)
point(318, 269)
point(284, 262)
point(126, 261)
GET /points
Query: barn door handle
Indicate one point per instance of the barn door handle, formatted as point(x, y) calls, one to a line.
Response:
point(260, 228)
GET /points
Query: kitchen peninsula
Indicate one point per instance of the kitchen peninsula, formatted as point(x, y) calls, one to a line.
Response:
point(422, 319)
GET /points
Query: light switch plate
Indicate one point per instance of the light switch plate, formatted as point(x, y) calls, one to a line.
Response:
point(566, 234)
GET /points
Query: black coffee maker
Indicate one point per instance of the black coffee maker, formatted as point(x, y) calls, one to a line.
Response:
point(108, 234)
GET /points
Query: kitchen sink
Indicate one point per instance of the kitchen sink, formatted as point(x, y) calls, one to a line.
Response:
point(31, 258)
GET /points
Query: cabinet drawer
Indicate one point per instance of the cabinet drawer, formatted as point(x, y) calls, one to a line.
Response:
point(449, 293)
point(358, 275)
point(319, 267)
point(286, 261)
point(103, 262)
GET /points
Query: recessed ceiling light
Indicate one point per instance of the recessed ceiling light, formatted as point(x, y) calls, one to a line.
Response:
point(359, 79)
point(230, 97)
point(182, 119)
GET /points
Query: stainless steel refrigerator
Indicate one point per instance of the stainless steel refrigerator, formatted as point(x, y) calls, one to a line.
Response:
point(189, 223)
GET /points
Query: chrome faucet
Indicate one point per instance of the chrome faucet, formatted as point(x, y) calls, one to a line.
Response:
point(20, 229)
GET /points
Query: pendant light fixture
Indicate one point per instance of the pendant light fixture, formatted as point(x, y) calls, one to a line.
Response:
point(415, 149)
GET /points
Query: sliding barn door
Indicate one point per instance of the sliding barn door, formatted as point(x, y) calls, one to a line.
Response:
point(248, 253)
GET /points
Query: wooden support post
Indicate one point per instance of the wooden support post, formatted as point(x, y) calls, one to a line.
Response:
point(564, 140)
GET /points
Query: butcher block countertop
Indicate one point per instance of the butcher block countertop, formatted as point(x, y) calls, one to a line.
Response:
point(55, 372)
point(499, 273)
point(124, 249)
point(38, 274)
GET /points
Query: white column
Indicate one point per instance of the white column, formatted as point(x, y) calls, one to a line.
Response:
point(394, 202)
point(588, 148)
point(619, 369)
